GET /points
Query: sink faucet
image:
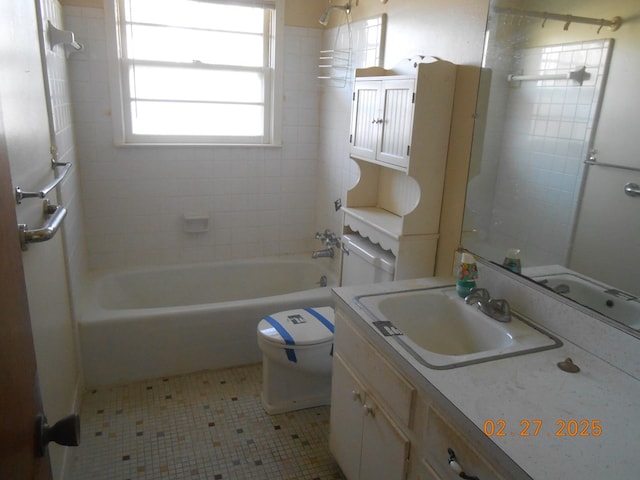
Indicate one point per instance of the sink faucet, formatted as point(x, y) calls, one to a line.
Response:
point(325, 253)
point(496, 308)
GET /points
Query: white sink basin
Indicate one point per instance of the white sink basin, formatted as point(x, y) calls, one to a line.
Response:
point(611, 302)
point(440, 325)
point(439, 330)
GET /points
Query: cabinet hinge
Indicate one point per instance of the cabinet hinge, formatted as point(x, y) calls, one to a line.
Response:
point(353, 99)
point(413, 98)
point(351, 138)
point(408, 149)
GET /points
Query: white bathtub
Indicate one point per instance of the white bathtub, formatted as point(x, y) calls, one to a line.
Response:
point(140, 324)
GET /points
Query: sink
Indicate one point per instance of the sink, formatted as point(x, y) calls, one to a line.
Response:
point(441, 331)
point(440, 325)
point(608, 301)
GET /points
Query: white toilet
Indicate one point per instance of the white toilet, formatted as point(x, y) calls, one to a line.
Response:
point(297, 345)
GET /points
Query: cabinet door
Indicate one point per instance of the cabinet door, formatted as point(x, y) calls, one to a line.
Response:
point(345, 436)
point(397, 98)
point(385, 449)
point(365, 119)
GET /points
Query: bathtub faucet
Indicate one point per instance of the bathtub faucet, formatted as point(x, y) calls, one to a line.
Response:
point(328, 238)
point(325, 253)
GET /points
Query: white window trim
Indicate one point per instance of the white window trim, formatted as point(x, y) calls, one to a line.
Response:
point(118, 111)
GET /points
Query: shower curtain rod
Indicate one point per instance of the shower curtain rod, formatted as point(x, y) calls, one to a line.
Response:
point(613, 24)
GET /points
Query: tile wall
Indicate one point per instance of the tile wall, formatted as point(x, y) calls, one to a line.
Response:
point(61, 123)
point(337, 173)
point(546, 131)
point(260, 201)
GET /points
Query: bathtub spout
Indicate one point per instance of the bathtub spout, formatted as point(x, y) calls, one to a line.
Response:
point(325, 253)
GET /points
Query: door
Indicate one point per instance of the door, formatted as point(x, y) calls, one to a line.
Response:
point(345, 437)
point(395, 136)
point(385, 449)
point(20, 401)
point(366, 117)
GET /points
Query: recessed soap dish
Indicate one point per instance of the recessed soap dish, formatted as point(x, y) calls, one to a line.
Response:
point(196, 223)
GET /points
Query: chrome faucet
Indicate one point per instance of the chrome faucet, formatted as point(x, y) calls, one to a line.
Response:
point(328, 239)
point(325, 253)
point(496, 308)
point(561, 288)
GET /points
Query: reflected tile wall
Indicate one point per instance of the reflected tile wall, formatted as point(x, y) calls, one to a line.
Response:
point(547, 135)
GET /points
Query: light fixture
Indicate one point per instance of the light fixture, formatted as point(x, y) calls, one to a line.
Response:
point(324, 19)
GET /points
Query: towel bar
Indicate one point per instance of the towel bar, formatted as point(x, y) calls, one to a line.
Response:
point(20, 195)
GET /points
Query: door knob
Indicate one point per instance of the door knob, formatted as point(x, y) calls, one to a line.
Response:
point(64, 432)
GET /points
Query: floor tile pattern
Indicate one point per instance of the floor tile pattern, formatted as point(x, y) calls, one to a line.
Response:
point(207, 425)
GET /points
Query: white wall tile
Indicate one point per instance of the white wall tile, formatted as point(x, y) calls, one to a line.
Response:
point(245, 191)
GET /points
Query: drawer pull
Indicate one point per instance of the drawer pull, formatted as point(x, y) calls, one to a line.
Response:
point(368, 410)
point(455, 466)
point(355, 395)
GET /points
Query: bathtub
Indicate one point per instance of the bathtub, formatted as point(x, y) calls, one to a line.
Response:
point(148, 323)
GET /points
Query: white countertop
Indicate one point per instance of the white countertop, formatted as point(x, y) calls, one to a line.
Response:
point(531, 387)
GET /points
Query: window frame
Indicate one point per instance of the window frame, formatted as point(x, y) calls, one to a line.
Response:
point(273, 81)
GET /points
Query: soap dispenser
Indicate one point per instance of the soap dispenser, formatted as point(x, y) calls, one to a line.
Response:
point(512, 260)
point(467, 275)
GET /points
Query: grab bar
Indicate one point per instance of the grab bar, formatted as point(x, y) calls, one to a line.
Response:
point(20, 195)
point(48, 230)
point(612, 165)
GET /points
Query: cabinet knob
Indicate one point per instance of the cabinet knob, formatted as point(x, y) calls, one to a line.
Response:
point(368, 410)
point(455, 466)
point(355, 394)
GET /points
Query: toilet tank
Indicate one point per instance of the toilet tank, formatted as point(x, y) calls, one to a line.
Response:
point(365, 262)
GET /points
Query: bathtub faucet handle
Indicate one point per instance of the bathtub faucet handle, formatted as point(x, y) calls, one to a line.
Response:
point(328, 238)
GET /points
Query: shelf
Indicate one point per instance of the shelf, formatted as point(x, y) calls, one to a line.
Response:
point(386, 222)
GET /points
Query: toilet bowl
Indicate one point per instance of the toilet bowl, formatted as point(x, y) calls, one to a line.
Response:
point(297, 350)
point(297, 345)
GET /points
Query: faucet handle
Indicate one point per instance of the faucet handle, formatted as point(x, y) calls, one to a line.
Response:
point(478, 292)
point(501, 308)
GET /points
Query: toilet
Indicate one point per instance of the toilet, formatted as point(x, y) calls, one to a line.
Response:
point(297, 345)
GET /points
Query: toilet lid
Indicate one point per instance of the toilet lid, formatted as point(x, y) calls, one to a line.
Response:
point(303, 326)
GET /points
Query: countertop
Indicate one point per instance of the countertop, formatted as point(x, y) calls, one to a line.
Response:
point(531, 388)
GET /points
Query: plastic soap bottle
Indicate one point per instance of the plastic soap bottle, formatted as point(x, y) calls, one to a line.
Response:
point(512, 260)
point(467, 274)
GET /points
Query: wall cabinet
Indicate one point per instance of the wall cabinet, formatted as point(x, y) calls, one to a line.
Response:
point(399, 140)
point(385, 426)
point(381, 120)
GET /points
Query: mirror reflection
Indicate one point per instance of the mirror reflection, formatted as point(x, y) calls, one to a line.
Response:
point(556, 150)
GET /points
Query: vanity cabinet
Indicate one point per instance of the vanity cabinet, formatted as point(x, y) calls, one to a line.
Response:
point(385, 426)
point(399, 140)
point(365, 441)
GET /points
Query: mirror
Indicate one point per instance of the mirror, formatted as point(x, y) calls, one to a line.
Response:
point(556, 150)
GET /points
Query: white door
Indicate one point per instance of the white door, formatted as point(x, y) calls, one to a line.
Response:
point(395, 130)
point(345, 438)
point(385, 449)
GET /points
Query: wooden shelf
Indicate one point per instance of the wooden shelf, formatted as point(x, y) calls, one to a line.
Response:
point(386, 222)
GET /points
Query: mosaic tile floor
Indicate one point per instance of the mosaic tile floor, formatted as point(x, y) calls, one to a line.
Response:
point(207, 425)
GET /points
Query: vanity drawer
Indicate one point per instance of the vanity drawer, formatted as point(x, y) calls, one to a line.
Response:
point(441, 436)
point(391, 388)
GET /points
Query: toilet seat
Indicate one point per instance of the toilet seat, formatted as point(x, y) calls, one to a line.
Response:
point(300, 327)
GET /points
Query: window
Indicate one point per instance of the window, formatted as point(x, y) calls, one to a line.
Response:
point(195, 71)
